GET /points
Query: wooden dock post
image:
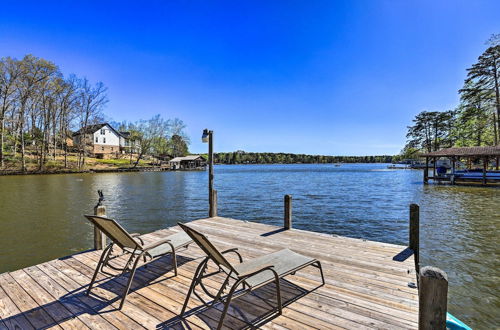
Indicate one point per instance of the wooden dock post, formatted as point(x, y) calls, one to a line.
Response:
point(213, 204)
point(426, 170)
point(99, 237)
point(485, 168)
point(414, 235)
point(453, 168)
point(288, 212)
point(432, 298)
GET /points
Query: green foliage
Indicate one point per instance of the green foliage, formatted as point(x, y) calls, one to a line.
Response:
point(475, 121)
point(431, 130)
point(177, 146)
point(481, 90)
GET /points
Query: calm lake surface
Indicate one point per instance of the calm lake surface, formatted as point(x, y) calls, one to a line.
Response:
point(41, 216)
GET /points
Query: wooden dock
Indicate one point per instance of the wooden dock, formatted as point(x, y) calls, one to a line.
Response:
point(366, 286)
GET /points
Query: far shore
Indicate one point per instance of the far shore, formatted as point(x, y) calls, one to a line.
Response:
point(137, 169)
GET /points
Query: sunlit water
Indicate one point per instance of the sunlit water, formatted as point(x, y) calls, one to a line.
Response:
point(41, 216)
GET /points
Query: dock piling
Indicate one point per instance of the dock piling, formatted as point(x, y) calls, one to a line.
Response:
point(426, 170)
point(99, 237)
point(414, 234)
point(288, 212)
point(432, 296)
point(213, 204)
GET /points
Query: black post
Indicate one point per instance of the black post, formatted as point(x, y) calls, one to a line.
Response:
point(453, 167)
point(211, 208)
point(434, 169)
point(414, 235)
point(426, 170)
point(485, 166)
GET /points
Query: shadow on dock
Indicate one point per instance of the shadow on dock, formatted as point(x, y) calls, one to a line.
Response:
point(403, 255)
point(249, 311)
point(76, 303)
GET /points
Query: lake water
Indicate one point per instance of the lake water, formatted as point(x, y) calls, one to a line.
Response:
point(41, 216)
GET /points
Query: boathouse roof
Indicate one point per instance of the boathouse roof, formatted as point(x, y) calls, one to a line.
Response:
point(465, 152)
point(186, 158)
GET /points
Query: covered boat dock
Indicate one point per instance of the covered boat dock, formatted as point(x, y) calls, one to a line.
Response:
point(488, 157)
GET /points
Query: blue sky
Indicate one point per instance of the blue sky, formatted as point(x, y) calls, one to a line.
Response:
point(316, 77)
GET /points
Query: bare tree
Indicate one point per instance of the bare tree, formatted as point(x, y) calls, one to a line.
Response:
point(35, 71)
point(9, 74)
point(148, 133)
point(91, 101)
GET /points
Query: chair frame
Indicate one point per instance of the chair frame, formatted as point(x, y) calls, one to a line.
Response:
point(138, 252)
point(240, 278)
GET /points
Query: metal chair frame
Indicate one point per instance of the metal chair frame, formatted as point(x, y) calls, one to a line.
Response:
point(140, 251)
point(240, 279)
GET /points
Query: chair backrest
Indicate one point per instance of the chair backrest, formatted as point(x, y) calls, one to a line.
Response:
point(114, 231)
point(207, 247)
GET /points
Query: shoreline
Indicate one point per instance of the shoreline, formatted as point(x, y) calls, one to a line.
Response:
point(144, 169)
point(70, 171)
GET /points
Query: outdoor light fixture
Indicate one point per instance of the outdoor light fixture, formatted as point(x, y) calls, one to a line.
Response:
point(207, 137)
point(204, 137)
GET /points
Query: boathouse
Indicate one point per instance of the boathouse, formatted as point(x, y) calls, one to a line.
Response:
point(479, 161)
point(192, 162)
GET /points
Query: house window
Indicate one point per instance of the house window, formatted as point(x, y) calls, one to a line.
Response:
point(103, 132)
point(96, 139)
point(111, 148)
point(102, 148)
point(103, 140)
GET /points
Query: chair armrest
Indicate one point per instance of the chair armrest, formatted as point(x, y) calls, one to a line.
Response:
point(157, 243)
point(229, 250)
point(136, 235)
point(257, 269)
point(234, 250)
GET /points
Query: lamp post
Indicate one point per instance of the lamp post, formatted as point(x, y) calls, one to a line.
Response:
point(212, 194)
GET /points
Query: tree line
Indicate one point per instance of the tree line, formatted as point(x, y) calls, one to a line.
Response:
point(475, 121)
point(40, 108)
point(242, 157)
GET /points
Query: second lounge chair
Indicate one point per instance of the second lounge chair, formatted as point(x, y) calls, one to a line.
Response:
point(251, 274)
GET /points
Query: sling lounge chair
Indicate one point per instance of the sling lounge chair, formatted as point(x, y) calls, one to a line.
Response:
point(133, 246)
point(251, 274)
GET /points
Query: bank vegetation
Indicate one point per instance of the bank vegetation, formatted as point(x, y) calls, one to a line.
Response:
point(40, 108)
point(475, 121)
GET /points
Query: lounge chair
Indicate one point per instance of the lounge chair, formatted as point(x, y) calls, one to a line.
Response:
point(133, 245)
point(251, 274)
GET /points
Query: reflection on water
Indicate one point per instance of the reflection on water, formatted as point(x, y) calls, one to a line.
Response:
point(41, 216)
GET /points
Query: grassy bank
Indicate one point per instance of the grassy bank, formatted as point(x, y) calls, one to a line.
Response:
point(13, 164)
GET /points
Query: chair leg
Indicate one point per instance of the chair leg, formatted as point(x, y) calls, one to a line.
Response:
point(129, 283)
point(197, 273)
point(99, 264)
point(174, 261)
point(222, 288)
point(278, 293)
point(226, 304)
point(321, 271)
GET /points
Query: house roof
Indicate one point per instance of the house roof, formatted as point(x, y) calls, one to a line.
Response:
point(91, 129)
point(465, 152)
point(186, 158)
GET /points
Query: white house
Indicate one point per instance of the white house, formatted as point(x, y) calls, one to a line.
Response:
point(101, 139)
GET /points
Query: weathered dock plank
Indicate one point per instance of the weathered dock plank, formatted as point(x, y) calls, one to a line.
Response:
point(365, 287)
